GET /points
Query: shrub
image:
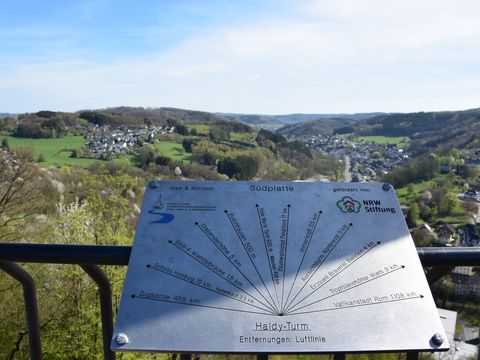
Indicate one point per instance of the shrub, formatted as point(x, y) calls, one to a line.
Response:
point(241, 167)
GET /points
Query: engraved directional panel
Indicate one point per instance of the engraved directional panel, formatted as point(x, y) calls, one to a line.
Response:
point(274, 267)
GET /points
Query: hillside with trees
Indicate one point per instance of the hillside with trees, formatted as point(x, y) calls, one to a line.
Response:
point(121, 116)
point(319, 126)
point(427, 131)
point(259, 120)
point(165, 142)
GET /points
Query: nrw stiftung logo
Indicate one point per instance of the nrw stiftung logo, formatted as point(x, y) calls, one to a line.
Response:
point(349, 205)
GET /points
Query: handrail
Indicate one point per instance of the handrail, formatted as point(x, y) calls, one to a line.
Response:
point(449, 256)
point(65, 253)
point(120, 255)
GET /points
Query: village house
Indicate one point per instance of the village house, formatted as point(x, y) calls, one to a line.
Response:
point(446, 233)
point(368, 160)
point(466, 283)
point(104, 141)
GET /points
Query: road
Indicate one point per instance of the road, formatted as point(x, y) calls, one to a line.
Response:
point(348, 174)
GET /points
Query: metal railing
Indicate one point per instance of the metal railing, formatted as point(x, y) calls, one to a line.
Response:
point(439, 262)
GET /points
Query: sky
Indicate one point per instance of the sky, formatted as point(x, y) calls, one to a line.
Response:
point(240, 56)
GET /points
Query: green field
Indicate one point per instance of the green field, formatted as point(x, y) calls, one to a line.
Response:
point(57, 151)
point(248, 137)
point(202, 129)
point(405, 196)
point(400, 141)
point(173, 150)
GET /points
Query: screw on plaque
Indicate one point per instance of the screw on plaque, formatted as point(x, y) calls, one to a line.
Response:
point(122, 339)
point(386, 186)
point(437, 339)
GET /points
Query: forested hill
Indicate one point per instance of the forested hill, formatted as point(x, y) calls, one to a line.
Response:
point(427, 130)
point(45, 124)
point(418, 123)
point(319, 126)
point(279, 120)
point(157, 116)
point(7, 115)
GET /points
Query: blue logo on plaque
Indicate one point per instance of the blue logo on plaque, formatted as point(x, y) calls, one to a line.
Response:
point(165, 218)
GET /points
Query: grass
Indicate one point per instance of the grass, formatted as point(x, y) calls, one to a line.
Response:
point(245, 137)
point(173, 150)
point(399, 141)
point(57, 152)
point(201, 128)
point(404, 195)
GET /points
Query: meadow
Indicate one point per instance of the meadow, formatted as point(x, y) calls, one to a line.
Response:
point(399, 141)
point(173, 150)
point(58, 151)
point(55, 151)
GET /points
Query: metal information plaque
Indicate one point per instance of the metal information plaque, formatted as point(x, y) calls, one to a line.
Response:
point(274, 267)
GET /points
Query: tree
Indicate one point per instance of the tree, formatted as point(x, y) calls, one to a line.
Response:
point(410, 188)
point(208, 158)
point(54, 127)
point(425, 211)
point(242, 167)
point(5, 144)
point(146, 155)
point(412, 215)
point(421, 238)
point(104, 213)
point(25, 195)
point(219, 132)
point(265, 136)
point(448, 204)
point(162, 160)
point(187, 144)
point(181, 129)
point(23, 191)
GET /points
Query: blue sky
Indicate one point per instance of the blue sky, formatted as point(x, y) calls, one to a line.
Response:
point(251, 56)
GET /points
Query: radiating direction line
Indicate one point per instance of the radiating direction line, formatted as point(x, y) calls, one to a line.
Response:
point(223, 277)
point(350, 288)
point(205, 287)
point(199, 305)
point(227, 213)
point(334, 276)
point(284, 255)
point(303, 257)
point(270, 264)
point(354, 306)
point(320, 264)
point(233, 263)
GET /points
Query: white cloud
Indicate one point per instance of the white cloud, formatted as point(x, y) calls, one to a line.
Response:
point(329, 56)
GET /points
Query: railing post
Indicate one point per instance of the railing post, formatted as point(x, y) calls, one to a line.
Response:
point(31, 311)
point(184, 356)
point(412, 355)
point(262, 356)
point(339, 356)
point(105, 293)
